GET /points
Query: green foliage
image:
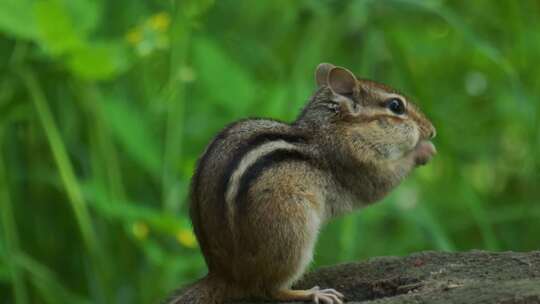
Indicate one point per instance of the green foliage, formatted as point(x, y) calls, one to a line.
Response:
point(106, 105)
point(16, 18)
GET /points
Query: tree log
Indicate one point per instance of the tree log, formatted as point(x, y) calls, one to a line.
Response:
point(435, 277)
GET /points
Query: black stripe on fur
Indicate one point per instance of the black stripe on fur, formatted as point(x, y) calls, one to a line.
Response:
point(257, 169)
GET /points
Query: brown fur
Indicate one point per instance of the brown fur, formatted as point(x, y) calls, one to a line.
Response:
point(343, 152)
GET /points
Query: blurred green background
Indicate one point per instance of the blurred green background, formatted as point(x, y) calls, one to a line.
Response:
point(106, 105)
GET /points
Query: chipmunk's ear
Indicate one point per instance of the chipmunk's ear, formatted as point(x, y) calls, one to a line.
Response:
point(321, 74)
point(342, 81)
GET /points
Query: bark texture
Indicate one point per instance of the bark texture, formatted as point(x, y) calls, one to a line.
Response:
point(435, 277)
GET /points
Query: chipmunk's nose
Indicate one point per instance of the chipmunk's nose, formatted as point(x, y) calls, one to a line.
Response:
point(433, 132)
point(428, 131)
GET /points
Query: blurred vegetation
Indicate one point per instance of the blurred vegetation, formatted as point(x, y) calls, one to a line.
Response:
point(106, 105)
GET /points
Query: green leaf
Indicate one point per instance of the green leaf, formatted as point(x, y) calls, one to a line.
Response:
point(99, 61)
point(17, 19)
point(5, 274)
point(57, 33)
point(85, 12)
point(5, 271)
point(233, 86)
point(132, 130)
point(12, 109)
point(47, 283)
point(195, 8)
point(130, 211)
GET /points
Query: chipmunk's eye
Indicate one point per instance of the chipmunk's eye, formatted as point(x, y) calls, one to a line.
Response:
point(396, 105)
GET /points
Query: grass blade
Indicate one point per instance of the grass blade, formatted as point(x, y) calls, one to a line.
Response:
point(11, 237)
point(61, 158)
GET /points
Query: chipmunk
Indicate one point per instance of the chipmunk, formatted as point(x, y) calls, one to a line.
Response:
point(263, 189)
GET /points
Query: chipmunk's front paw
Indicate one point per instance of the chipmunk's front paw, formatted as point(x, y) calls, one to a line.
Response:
point(326, 296)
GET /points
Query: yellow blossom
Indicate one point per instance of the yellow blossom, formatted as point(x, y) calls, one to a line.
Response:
point(134, 36)
point(186, 238)
point(140, 230)
point(160, 22)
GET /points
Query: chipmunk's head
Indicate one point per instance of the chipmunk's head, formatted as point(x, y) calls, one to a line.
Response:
point(371, 122)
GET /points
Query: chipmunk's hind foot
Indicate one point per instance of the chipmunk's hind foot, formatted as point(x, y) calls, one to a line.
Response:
point(326, 296)
point(315, 294)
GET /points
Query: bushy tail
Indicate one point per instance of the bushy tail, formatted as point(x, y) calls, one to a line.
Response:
point(208, 290)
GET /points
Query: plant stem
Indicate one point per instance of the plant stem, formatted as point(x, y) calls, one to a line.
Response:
point(61, 158)
point(176, 91)
point(11, 236)
point(71, 184)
